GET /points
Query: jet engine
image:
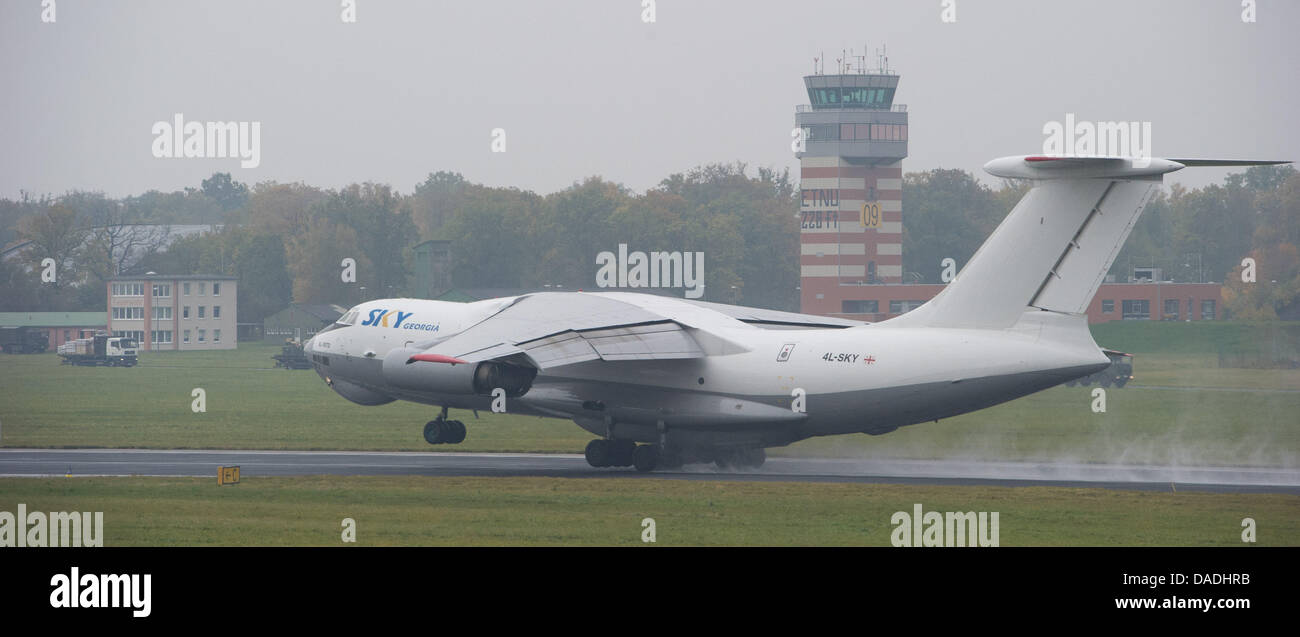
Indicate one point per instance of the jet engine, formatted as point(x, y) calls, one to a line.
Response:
point(456, 378)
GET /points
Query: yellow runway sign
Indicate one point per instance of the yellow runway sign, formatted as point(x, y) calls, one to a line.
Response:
point(227, 475)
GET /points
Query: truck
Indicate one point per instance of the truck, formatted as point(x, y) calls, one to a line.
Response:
point(23, 340)
point(102, 349)
point(291, 356)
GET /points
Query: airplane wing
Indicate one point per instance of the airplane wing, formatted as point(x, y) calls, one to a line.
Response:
point(776, 319)
point(553, 330)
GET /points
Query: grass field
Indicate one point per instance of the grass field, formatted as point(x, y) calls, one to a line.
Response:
point(1185, 409)
point(418, 510)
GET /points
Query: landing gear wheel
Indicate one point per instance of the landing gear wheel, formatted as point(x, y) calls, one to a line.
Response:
point(456, 432)
point(435, 432)
point(725, 459)
point(750, 459)
point(598, 453)
point(645, 458)
point(621, 452)
point(670, 460)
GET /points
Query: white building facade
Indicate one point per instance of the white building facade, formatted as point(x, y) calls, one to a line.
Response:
point(174, 312)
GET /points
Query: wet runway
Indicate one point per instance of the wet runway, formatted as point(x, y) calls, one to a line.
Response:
point(203, 463)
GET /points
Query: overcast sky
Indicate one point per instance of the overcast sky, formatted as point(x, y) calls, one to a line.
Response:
point(587, 88)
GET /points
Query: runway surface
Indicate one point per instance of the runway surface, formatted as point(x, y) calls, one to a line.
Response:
point(203, 463)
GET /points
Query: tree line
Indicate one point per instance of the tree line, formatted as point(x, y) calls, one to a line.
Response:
point(286, 241)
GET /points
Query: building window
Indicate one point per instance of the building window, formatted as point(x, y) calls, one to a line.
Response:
point(1207, 310)
point(187, 336)
point(67, 334)
point(216, 336)
point(860, 307)
point(186, 288)
point(903, 307)
point(203, 288)
point(1171, 310)
point(203, 336)
point(162, 313)
point(216, 289)
point(162, 289)
point(128, 289)
point(1108, 306)
point(185, 312)
point(203, 311)
point(128, 313)
point(160, 337)
point(871, 272)
point(216, 309)
point(1136, 310)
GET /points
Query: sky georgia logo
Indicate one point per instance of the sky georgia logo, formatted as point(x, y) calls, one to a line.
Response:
point(211, 140)
point(380, 318)
point(54, 529)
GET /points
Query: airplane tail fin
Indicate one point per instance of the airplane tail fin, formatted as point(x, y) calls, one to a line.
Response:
point(1053, 249)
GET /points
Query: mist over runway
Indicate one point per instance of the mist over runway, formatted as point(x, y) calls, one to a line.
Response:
point(204, 463)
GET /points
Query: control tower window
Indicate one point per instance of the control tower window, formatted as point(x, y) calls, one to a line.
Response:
point(821, 132)
point(852, 96)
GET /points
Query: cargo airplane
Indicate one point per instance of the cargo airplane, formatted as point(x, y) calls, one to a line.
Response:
point(664, 381)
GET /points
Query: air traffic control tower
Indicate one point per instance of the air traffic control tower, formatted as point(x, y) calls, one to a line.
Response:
point(854, 138)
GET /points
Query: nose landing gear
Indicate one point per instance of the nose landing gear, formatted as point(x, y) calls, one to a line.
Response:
point(441, 431)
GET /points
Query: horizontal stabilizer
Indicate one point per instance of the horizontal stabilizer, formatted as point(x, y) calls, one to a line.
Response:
point(1202, 163)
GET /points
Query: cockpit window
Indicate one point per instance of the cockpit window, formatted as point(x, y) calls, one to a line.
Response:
point(347, 319)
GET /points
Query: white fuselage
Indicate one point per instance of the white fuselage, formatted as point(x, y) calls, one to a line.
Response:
point(756, 385)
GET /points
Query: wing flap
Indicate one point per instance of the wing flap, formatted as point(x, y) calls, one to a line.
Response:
point(555, 329)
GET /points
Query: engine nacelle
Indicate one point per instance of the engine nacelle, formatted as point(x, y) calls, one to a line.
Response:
point(466, 378)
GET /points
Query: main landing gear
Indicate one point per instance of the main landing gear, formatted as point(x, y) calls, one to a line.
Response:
point(625, 453)
point(441, 431)
point(611, 453)
point(741, 459)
